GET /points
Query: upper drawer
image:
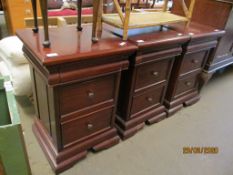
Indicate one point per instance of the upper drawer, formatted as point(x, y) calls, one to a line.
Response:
point(80, 95)
point(193, 61)
point(152, 73)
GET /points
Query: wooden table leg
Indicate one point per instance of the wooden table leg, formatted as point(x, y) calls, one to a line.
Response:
point(44, 8)
point(34, 7)
point(96, 16)
point(79, 17)
point(153, 4)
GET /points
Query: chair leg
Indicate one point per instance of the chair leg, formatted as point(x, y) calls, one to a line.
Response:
point(99, 22)
point(44, 8)
point(34, 8)
point(79, 17)
point(126, 21)
point(96, 16)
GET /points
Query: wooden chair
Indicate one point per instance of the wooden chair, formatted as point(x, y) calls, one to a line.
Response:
point(124, 21)
point(129, 20)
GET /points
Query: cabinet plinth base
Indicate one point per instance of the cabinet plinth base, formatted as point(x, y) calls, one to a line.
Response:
point(176, 105)
point(67, 157)
point(127, 129)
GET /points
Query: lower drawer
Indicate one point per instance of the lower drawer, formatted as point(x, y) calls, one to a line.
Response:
point(187, 83)
point(150, 97)
point(85, 126)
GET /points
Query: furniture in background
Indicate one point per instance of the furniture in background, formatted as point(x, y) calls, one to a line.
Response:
point(135, 4)
point(16, 11)
point(130, 20)
point(219, 14)
point(75, 91)
point(144, 84)
point(76, 88)
point(13, 155)
point(186, 77)
point(22, 9)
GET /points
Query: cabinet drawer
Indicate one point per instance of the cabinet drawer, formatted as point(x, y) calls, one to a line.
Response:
point(192, 62)
point(151, 97)
point(186, 84)
point(79, 128)
point(152, 73)
point(80, 95)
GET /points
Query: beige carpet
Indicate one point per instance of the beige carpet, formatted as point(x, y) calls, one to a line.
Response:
point(158, 149)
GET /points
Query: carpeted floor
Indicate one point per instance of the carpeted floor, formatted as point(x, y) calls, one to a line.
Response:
point(158, 149)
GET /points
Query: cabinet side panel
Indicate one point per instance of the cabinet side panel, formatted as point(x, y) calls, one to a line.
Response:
point(42, 97)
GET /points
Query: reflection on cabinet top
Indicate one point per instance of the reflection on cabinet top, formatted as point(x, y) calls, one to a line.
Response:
point(156, 38)
point(68, 45)
point(198, 31)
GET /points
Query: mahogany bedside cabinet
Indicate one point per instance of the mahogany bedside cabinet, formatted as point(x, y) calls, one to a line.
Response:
point(186, 78)
point(144, 84)
point(75, 88)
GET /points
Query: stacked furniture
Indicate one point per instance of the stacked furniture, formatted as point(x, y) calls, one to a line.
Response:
point(85, 93)
point(75, 91)
point(88, 94)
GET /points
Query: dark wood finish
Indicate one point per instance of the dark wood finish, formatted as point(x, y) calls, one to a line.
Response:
point(218, 14)
point(187, 71)
point(44, 13)
point(1, 7)
point(34, 8)
point(75, 85)
point(144, 85)
point(79, 17)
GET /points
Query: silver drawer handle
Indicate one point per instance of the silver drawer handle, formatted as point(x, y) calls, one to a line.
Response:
point(195, 61)
point(89, 126)
point(156, 74)
point(91, 94)
point(150, 99)
point(188, 83)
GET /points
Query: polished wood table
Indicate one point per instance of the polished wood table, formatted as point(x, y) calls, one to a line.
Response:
point(75, 87)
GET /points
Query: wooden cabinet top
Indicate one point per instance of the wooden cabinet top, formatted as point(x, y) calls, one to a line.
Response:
point(156, 37)
point(197, 31)
point(68, 45)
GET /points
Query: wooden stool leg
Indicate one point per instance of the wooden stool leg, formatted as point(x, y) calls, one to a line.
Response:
point(34, 8)
point(126, 20)
point(96, 16)
point(79, 17)
point(100, 13)
point(44, 8)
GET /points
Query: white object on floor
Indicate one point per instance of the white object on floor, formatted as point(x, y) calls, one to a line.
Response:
point(4, 70)
point(15, 64)
point(11, 48)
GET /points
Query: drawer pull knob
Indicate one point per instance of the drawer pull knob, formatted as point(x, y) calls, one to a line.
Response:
point(89, 126)
point(150, 99)
point(91, 94)
point(195, 61)
point(156, 74)
point(188, 83)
